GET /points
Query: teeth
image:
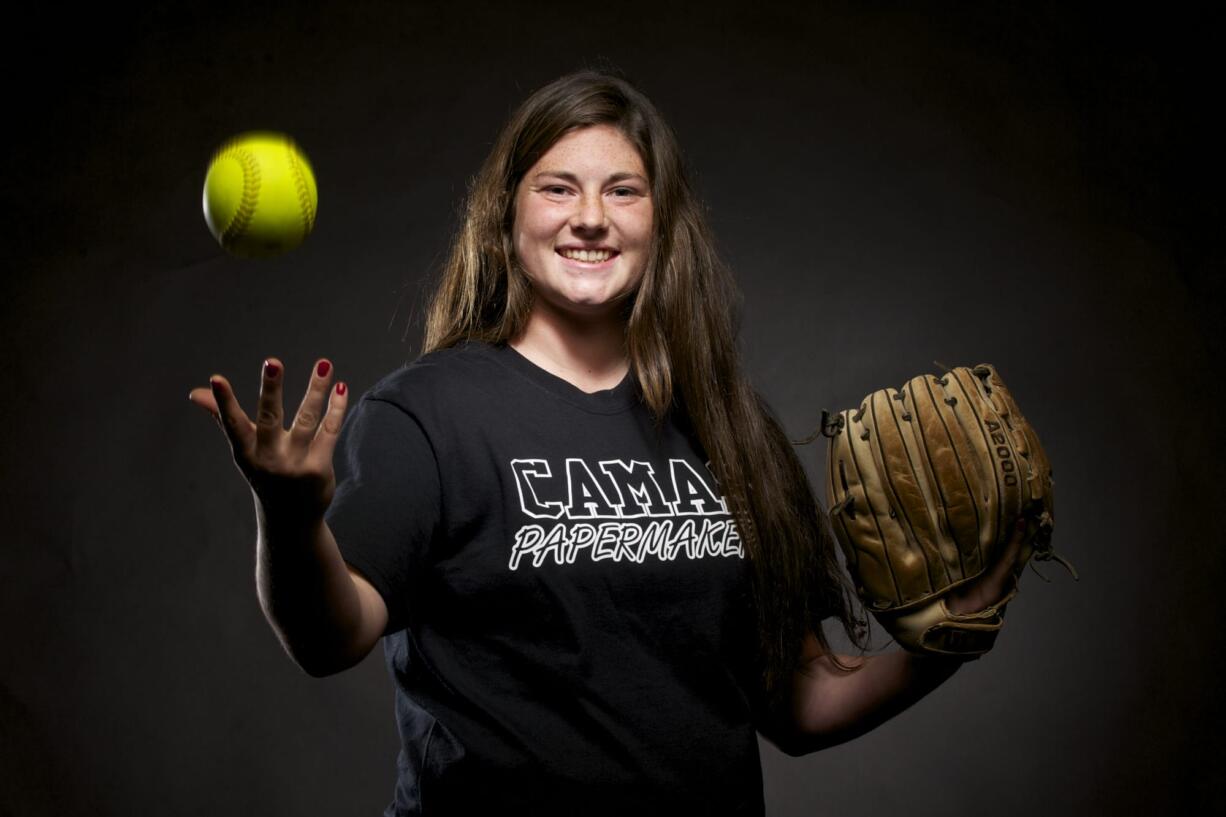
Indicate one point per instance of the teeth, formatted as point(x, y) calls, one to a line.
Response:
point(591, 256)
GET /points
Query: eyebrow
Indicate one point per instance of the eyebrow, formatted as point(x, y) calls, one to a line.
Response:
point(571, 177)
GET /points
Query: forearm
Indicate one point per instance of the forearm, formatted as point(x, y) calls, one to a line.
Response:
point(831, 706)
point(306, 592)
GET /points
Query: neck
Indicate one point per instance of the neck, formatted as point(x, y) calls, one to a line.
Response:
point(588, 352)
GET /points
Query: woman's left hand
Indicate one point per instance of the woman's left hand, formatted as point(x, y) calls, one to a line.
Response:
point(995, 583)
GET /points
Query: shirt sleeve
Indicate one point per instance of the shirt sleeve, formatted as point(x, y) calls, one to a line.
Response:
point(388, 503)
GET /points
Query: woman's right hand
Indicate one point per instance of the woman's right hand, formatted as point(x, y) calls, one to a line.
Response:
point(291, 471)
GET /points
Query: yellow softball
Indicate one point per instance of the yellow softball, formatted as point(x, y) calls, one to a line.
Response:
point(259, 195)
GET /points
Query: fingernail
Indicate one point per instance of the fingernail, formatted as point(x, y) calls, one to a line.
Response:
point(323, 368)
point(217, 384)
point(271, 369)
point(341, 388)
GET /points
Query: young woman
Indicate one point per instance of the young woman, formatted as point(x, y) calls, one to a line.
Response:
point(592, 554)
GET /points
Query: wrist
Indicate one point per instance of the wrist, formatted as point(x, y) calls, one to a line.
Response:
point(286, 520)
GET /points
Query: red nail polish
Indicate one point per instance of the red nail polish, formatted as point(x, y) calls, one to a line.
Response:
point(341, 388)
point(217, 384)
point(323, 368)
point(271, 369)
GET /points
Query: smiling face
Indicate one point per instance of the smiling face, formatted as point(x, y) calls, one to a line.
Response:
point(583, 220)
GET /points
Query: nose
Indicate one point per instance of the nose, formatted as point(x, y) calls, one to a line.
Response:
point(590, 214)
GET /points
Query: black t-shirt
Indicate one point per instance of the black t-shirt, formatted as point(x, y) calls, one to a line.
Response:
point(570, 628)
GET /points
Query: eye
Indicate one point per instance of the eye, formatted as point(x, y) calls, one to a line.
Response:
point(556, 190)
point(625, 192)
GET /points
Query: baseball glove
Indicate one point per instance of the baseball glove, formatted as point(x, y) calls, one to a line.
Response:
point(924, 485)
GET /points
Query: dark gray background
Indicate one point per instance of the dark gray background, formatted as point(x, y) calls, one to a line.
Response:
point(1018, 183)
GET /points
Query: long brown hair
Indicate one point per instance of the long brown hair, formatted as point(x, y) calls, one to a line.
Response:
point(681, 333)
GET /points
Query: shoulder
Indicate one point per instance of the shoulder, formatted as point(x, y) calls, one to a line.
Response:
point(439, 378)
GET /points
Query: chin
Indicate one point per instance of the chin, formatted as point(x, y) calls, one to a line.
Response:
point(592, 307)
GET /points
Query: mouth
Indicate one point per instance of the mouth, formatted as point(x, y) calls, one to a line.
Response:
point(588, 259)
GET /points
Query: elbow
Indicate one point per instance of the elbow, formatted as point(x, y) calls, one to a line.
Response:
point(799, 745)
point(793, 747)
point(321, 669)
point(320, 665)
point(801, 733)
point(316, 652)
point(318, 670)
point(793, 741)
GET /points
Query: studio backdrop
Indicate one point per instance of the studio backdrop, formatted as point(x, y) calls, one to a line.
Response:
point(893, 184)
